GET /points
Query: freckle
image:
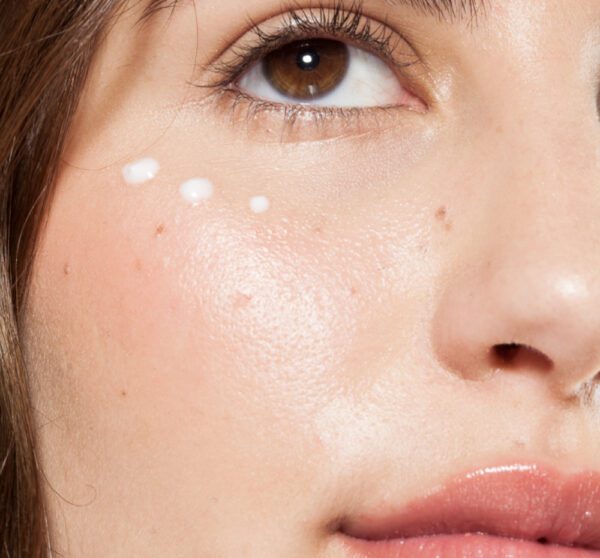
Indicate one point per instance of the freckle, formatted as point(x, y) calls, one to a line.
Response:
point(123, 393)
point(160, 230)
point(241, 301)
point(67, 269)
point(318, 230)
point(353, 291)
point(138, 265)
point(442, 215)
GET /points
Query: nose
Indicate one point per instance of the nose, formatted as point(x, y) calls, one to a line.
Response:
point(522, 293)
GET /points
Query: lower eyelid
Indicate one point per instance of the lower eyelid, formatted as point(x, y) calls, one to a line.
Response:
point(265, 122)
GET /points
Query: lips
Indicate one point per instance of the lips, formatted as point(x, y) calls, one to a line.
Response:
point(516, 511)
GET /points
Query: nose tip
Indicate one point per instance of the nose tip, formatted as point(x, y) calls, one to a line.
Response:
point(532, 319)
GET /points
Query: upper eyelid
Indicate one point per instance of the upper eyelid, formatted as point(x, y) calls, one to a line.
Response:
point(319, 21)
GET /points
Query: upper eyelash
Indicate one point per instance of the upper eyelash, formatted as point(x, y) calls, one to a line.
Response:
point(338, 21)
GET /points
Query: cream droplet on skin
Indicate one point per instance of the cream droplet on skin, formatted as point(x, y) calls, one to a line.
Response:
point(141, 171)
point(260, 204)
point(196, 190)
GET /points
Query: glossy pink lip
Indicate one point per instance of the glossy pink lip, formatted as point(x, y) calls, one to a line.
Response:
point(525, 509)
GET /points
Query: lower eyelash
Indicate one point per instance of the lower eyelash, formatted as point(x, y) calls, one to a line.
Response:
point(294, 117)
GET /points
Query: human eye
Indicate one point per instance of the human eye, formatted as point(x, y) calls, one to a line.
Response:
point(324, 72)
point(322, 63)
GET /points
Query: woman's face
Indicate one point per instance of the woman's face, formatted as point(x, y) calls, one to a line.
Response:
point(420, 299)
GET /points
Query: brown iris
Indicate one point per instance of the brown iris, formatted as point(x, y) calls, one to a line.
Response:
point(306, 70)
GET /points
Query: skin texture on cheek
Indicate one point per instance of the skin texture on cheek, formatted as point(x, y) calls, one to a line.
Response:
point(245, 341)
point(234, 330)
point(205, 338)
point(192, 342)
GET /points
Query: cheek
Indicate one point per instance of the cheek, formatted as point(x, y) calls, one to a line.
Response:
point(222, 334)
point(209, 307)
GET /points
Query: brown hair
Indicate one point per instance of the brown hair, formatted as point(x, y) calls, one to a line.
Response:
point(46, 49)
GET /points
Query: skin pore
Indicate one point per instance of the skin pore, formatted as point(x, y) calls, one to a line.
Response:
point(210, 381)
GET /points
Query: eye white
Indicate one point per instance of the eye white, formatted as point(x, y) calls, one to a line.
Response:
point(369, 82)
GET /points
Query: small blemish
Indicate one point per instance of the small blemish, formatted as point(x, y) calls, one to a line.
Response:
point(67, 269)
point(160, 230)
point(520, 442)
point(123, 393)
point(241, 301)
point(442, 215)
point(138, 265)
point(353, 291)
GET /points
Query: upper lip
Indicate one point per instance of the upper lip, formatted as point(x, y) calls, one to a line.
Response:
point(521, 501)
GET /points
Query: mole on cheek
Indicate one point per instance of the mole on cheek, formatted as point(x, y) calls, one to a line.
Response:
point(441, 215)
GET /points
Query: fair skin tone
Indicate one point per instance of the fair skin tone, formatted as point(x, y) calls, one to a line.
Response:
point(209, 382)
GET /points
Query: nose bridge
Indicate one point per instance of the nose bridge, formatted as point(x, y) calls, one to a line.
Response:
point(531, 274)
point(545, 184)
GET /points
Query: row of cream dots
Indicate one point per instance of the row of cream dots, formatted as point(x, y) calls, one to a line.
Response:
point(193, 191)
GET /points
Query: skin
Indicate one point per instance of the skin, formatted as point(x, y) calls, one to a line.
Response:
point(213, 383)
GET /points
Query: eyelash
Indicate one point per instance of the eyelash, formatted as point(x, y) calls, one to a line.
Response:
point(338, 22)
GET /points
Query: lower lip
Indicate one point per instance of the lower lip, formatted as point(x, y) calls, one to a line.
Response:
point(461, 546)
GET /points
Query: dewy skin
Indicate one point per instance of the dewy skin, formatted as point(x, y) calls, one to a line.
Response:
point(196, 190)
point(141, 171)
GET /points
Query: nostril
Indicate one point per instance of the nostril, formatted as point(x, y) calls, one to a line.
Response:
point(516, 355)
point(506, 352)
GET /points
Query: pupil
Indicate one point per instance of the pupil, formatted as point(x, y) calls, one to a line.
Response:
point(308, 59)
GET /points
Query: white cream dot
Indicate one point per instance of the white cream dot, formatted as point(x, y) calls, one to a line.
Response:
point(141, 171)
point(260, 204)
point(196, 190)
